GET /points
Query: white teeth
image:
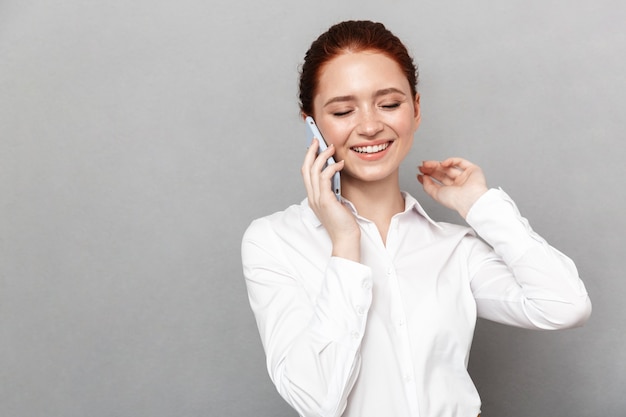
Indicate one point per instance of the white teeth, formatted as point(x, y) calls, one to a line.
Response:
point(371, 149)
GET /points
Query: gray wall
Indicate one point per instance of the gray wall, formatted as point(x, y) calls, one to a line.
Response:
point(138, 139)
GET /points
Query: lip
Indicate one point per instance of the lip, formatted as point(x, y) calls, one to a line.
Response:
point(372, 156)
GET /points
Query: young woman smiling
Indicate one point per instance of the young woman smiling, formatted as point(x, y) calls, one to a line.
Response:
point(365, 306)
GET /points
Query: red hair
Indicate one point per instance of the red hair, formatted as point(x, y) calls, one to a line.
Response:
point(351, 36)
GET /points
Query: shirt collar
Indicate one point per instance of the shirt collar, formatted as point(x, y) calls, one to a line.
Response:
point(410, 203)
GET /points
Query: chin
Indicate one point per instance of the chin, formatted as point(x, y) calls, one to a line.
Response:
point(371, 175)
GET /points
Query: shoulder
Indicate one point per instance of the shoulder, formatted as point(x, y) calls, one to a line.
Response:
point(283, 239)
point(455, 229)
point(288, 221)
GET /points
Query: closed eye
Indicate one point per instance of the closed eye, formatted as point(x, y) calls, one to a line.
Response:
point(391, 106)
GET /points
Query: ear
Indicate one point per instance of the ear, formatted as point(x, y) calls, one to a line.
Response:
point(303, 115)
point(417, 116)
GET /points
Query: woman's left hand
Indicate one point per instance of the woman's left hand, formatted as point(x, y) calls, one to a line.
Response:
point(455, 183)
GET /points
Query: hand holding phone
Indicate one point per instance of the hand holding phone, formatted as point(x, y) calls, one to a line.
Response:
point(313, 132)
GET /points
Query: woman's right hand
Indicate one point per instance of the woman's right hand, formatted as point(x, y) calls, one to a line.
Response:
point(338, 221)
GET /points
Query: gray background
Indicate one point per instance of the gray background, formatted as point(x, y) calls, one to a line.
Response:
point(138, 139)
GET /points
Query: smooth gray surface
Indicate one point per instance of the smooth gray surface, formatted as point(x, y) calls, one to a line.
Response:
point(138, 139)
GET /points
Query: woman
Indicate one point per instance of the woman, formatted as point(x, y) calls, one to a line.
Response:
point(365, 306)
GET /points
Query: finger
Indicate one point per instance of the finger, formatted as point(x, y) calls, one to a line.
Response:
point(326, 176)
point(457, 162)
point(441, 175)
point(457, 169)
point(310, 156)
point(438, 171)
point(430, 187)
point(428, 166)
point(319, 184)
point(307, 163)
point(331, 169)
point(322, 158)
point(452, 172)
point(326, 181)
point(464, 170)
point(430, 163)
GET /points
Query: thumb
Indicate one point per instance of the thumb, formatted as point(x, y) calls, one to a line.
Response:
point(430, 187)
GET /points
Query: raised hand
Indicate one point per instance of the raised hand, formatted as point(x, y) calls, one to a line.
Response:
point(338, 221)
point(455, 183)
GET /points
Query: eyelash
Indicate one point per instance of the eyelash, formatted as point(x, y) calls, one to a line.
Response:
point(391, 106)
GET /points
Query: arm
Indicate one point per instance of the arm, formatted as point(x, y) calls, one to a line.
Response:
point(311, 322)
point(311, 338)
point(522, 281)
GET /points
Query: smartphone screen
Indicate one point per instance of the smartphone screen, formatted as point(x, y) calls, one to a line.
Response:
point(313, 132)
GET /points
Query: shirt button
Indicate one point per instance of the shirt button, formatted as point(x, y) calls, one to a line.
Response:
point(407, 378)
point(360, 310)
point(355, 335)
point(388, 271)
point(401, 322)
point(366, 284)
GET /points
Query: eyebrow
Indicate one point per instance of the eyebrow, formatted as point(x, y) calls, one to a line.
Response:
point(377, 94)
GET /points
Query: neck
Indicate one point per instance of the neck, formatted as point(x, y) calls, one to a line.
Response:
point(377, 201)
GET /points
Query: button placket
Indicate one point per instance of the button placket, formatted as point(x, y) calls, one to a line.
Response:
point(398, 316)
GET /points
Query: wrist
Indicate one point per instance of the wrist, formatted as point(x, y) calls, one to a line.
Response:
point(469, 201)
point(348, 247)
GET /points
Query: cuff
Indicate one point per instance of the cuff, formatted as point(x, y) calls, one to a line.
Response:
point(496, 218)
point(345, 300)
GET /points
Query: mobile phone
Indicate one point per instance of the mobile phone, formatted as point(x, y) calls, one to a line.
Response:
point(313, 132)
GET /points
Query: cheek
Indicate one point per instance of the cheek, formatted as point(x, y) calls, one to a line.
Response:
point(404, 125)
point(411, 123)
point(406, 130)
point(335, 135)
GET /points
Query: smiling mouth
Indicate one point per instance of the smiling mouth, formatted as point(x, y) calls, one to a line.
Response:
point(371, 149)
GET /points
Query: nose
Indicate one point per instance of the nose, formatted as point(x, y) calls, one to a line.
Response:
point(369, 124)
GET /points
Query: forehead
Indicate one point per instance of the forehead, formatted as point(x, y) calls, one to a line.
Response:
point(355, 72)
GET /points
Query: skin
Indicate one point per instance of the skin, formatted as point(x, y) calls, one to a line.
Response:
point(363, 99)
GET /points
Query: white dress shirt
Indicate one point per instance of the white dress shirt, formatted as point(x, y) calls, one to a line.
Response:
point(390, 336)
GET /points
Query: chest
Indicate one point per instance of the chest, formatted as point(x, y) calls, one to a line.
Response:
point(421, 284)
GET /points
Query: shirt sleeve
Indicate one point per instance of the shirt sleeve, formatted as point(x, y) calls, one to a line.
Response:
point(311, 341)
point(521, 280)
